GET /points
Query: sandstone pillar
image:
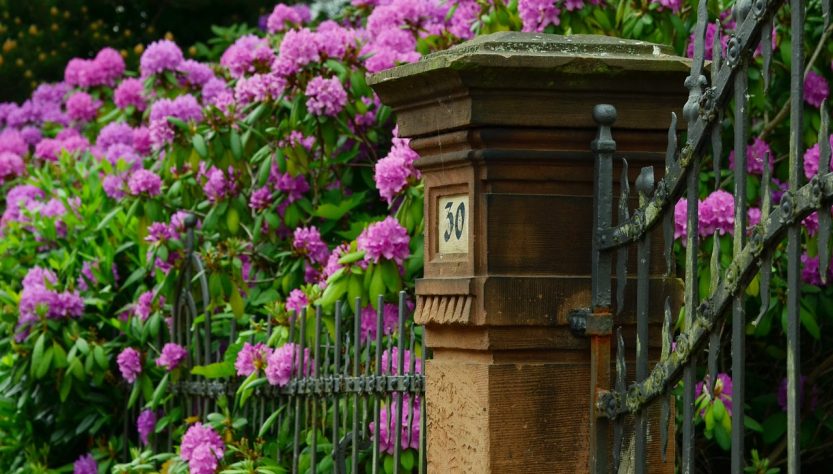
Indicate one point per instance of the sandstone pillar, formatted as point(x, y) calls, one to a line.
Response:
point(503, 126)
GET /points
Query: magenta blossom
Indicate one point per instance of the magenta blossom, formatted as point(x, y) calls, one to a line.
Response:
point(144, 182)
point(145, 425)
point(251, 359)
point(325, 96)
point(284, 362)
point(722, 390)
point(130, 364)
point(384, 240)
point(81, 107)
point(296, 302)
point(171, 356)
point(202, 447)
point(307, 241)
point(410, 427)
point(160, 56)
point(807, 400)
point(816, 89)
point(85, 465)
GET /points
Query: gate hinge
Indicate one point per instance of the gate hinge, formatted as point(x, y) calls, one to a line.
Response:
point(583, 322)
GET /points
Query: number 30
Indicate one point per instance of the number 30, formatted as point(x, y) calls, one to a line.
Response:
point(456, 221)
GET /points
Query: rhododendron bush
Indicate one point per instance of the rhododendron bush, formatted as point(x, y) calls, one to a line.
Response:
point(300, 193)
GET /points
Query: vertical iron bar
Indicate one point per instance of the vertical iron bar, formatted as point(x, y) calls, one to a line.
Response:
point(668, 219)
point(667, 340)
point(622, 252)
point(717, 145)
point(299, 412)
point(644, 185)
point(357, 316)
point(793, 235)
point(336, 372)
point(380, 371)
point(695, 83)
point(824, 212)
point(315, 372)
point(400, 370)
point(603, 148)
point(738, 302)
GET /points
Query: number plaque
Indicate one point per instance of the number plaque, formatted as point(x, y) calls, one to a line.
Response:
point(453, 224)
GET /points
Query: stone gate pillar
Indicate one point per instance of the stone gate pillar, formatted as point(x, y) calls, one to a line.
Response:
point(503, 126)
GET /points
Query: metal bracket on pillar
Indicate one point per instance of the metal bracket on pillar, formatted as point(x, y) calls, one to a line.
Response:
point(584, 323)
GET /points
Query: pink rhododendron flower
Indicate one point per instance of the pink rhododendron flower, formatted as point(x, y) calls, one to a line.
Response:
point(130, 364)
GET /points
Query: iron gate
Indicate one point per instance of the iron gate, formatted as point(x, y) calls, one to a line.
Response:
point(751, 247)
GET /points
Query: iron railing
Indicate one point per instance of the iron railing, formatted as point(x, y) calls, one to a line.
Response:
point(751, 249)
point(352, 387)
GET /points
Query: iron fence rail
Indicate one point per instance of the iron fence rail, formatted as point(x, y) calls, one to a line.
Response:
point(359, 397)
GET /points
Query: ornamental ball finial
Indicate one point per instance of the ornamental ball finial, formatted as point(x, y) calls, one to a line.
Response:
point(190, 220)
point(604, 114)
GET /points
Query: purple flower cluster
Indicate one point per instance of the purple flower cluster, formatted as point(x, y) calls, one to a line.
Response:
point(218, 185)
point(811, 270)
point(809, 400)
point(716, 213)
point(284, 16)
point(307, 242)
point(811, 160)
point(410, 424)
point(248, 55)
point(285, 361)
point(145, 425)
point(144, 182)
point(296, 302)
point(395, 171)
point(390, 362)
point(390, 318)
point(159, 57)
point(171, 356)
point(130, 93)
point(325, 96)
point(104, 70)
point(251, 359)
point(85, 465)
point(11, 166)
point(673, 5)
point(386, 239)
point(184, 107)
point(538, 14)
point(130, 364)
point(722, 390)
point(816, 89)
point(202, 448)
point(81, 107)
point(756, 152)
point(39, 299)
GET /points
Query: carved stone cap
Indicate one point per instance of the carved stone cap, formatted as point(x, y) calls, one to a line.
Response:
point(533, 79)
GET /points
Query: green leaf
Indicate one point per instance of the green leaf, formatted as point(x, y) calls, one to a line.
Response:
point(37, 353)
point(101, 357)
point(45, 362)
point(236, 145)
point(214, 371)
point(407, 460)
point(106, 220)
point(751, 424)
point(267, 425)
point(719, 410)
point(351, 257)
point(377, 286)
point(160, 391)
point(722, 437)
point(774, 427)
point(199, 145)
point(808, 320)
point(134, 395)
point(335, 290)
point(178, 124)
point(66, 385)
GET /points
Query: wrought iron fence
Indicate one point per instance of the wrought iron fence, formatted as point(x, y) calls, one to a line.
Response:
point(360, 399)
point(751, 249)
